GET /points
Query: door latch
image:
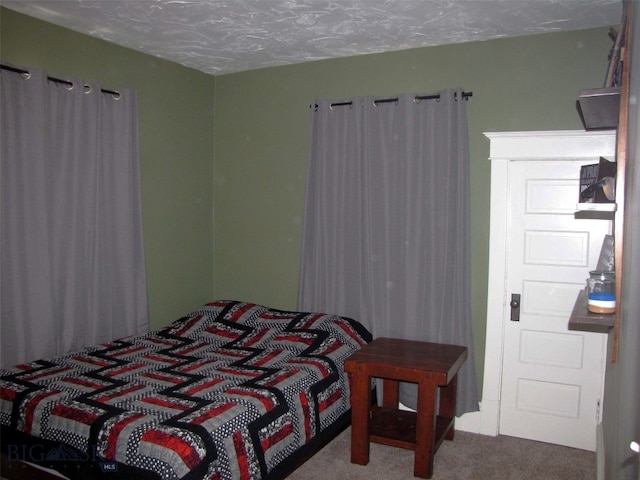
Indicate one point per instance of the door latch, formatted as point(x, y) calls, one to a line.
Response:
point(515, 307)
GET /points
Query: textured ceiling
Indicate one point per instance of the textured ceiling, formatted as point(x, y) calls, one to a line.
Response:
point(223, 36)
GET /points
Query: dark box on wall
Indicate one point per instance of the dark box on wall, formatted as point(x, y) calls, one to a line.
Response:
point(598, 182)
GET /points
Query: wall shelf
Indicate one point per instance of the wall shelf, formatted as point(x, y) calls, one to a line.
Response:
point(595, 211)
point(584, 320)
point(596, 207)
point(599, 107)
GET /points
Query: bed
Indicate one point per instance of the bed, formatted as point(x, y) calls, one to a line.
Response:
point(233, 390)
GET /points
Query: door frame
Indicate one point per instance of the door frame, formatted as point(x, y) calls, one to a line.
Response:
point(504, 148)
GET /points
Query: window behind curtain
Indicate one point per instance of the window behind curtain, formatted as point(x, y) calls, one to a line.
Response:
point(386, 236)
point(72, 248)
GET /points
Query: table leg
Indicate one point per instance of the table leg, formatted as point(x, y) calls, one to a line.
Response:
point(425, 430)
point(447, 406)
point(360, 409)
point(390, 393)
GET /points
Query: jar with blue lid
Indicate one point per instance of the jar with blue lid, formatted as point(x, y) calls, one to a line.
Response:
point(601, 292)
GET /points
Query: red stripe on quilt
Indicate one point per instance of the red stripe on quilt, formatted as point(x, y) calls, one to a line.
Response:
point(267, 358)
point(311, 321)
point(160, 341)
point(91, 361)
point(192, 348)
point(268, 404)
point(186, 452)
point(268, 315)
point(214, 412)
point(164, 403)
point(335, 345)
point(215, 330)
point(294, 338)
point(82, 382)
point(114, 434)
point(256, 338)
point(239, 313)
point(75, 414)
point(181, 331)
point(276, 437)
point(230, 353)
point(7, 394)
point(32, 405)
point(240, 372)
point(219, 303)
point(119, 393)
point(125, 369)
point(127, 351)
point(194, 366)
point(316, 363)
point(163, 377)
point(282, 377)
point(306, 412)
point(241, 456)
point(330, 400)
point(156, 358)
point(25, 366)
point(204, 386)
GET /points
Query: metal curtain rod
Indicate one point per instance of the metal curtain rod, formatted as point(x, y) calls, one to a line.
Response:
point(53, 79)
point(465, 95)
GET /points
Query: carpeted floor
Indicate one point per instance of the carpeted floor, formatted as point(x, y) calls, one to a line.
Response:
point(468, 457)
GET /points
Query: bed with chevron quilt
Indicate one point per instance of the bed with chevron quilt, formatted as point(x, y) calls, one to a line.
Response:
point(231, 391)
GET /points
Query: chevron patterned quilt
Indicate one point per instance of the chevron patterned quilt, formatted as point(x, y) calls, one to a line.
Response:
point(230, 391)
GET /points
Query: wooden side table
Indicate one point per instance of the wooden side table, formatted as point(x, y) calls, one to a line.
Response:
point(432, 366)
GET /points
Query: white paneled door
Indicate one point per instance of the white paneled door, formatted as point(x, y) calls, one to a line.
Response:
point(551, 380)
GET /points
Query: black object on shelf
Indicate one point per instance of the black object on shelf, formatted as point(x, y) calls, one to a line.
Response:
point(598, 182)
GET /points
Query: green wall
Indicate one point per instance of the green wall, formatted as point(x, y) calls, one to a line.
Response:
point(244, 149)
point(176, 149)
point(262, 123)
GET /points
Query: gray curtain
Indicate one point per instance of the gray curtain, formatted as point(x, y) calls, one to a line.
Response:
point(386, 236)
point(72, 254)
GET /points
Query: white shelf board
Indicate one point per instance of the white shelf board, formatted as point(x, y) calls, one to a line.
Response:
point(596, 207)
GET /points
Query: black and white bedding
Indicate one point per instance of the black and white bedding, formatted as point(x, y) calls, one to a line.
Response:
point(231, 391)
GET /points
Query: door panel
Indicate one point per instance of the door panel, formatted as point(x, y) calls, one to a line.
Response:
point(551, 349)
point(551, 377)
point(548, 398)
point(553, 248)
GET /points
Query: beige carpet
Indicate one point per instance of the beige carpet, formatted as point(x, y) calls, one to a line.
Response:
point(468, 457)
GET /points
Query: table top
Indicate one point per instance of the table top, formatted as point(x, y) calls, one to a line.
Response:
point(410, 355)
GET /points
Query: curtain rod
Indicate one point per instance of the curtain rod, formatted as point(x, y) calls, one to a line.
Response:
point(53, 79)
point(465, 95)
